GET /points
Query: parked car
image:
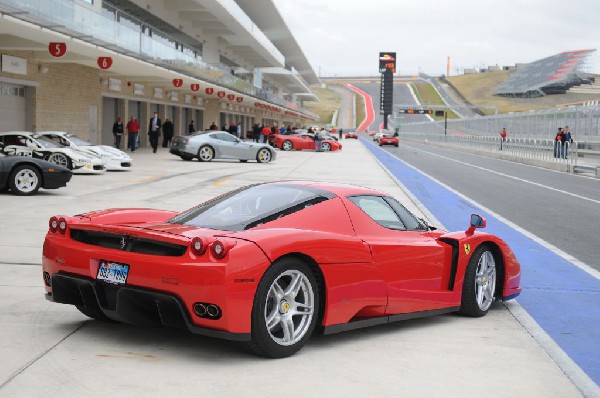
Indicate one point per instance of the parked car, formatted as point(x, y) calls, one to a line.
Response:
point(114, 159)
point(269, 264)
point(24, 143)
point(209, 145)
point(25, 175)
point(388, 139)
point(302, 141)
point(377, 136)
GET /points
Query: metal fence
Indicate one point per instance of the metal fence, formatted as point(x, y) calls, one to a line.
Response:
point(583, 121)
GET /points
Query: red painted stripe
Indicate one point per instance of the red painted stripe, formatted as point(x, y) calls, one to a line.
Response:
point(369, 111)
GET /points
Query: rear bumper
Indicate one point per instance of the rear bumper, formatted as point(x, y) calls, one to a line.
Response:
point(131, 305)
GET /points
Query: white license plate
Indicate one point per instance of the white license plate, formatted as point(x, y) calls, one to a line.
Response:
point(113, 273)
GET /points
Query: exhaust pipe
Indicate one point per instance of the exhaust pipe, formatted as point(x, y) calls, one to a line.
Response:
point(200, 309)
point(213, 311)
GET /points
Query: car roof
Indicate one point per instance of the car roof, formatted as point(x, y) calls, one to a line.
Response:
point(338, 189)
point(17, 132)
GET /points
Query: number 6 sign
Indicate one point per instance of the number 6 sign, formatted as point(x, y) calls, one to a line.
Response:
point(104, 62)
point(57, 49)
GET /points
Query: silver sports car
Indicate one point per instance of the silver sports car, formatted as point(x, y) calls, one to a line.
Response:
point(209, 145)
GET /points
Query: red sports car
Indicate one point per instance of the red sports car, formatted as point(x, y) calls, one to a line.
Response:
point(303, 141)
point(351, 135)
point(389, 140)
point(270, 263)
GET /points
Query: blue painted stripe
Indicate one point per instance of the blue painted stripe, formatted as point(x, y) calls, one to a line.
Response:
point(563, 299)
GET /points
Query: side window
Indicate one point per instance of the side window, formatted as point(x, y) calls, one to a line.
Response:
point(379, 210)
point(410, 221)
point(225, 137)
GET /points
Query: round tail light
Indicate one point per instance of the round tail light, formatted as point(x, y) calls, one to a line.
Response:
point(218, 249)
point(62, 225)
point(53, 224)
point(198, 246)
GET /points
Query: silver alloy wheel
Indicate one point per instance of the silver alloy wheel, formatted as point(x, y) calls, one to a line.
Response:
point(289, 307)
point(325, 147)
point(26, 180)
point(287, 145)
point(264, 156)
point(485, 280)
point(59, 159)
point(206, 154)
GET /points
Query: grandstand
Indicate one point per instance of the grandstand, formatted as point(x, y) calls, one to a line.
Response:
point(551, 75)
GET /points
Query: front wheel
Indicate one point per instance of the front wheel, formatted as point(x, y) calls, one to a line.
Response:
point(479, 287)
point(206, 154)
point(263, 156)
point(60, 159)
point(285, 309)
point(25, 180)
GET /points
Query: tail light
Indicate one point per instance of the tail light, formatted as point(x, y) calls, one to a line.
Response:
point(198, 246)
point(62, 225)
point(219, 249)
point(53, 224)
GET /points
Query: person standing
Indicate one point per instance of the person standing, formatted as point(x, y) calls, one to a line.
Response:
point(213, 126)
point(117, 131)
point(503, 135)
point(168, 132)
point(558, 141)
point(133, 129)
point(154, 131)
point(568, 139)
point(340, 133)
point(266, 132)
point(232, 129)
point(239, 130)
point(256, 132)
point(191, 128)
point(319, 139)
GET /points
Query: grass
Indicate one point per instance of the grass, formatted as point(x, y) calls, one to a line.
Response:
point(330, 101)
point(360, 109)
point(477, 88)
point(428, 96)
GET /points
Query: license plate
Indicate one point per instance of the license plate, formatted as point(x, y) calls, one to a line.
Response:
point(113, 273)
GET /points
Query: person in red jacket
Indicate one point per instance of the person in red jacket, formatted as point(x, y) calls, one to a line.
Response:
point(503, 135)
point(133, 129)
point(265, 133)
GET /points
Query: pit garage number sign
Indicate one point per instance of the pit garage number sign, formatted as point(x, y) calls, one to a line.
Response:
point(57, 50)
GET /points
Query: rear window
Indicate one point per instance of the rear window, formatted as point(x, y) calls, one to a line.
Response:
point(251, 206)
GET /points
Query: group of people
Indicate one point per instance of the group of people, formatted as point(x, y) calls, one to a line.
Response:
point(561, 142)
point(155, 126)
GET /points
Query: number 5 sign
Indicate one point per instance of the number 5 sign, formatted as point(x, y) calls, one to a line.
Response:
point(57, 49)
point(104, 62)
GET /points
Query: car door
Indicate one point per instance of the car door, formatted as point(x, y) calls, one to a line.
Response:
point(414, 264)
point(306, 142)
point(225, 145)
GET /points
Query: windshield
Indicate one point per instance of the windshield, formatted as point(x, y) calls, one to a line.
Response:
point(46, 142)
point(77, 141)
point(251, 206)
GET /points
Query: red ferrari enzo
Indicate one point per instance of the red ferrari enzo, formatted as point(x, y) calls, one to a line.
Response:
point(389, 140)
point(303, 141)
point(269, 264)
point(351, 135)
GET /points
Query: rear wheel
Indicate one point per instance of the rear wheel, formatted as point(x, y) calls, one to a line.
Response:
point(206, 153)
point(287, 145)
point(479, 287)
point(285, 309)
point(325, 147)
point(25, 180)
point(60, 159)
point(264, 156)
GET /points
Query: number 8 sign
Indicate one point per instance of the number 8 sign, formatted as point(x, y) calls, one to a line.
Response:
point(104, 62)
point(57, 49)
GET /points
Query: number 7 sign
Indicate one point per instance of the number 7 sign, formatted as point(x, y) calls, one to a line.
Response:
point(57, 49)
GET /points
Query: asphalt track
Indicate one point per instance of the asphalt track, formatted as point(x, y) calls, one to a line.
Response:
point(549, 218)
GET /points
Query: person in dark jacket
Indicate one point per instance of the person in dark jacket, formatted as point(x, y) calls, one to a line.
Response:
point(256, 131)
point(191, 128)
point(154, 131)
point(117, 131)
point(213, 126)
point(232, 129)
point(168, 132)
point(568, 140)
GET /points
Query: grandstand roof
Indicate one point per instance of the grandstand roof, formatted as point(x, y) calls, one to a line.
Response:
point(549, 75)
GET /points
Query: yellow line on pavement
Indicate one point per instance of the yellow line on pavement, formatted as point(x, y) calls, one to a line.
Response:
point(221, 181)
point(149, 178)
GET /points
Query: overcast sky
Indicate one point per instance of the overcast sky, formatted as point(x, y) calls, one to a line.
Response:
point(344, 37)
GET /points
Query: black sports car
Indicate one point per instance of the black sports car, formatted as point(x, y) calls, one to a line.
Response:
point(24, 175)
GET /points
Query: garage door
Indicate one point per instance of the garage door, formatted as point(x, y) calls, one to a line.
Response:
point(12, 107)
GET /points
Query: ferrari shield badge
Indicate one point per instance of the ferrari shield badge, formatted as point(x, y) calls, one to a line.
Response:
point(467, 249)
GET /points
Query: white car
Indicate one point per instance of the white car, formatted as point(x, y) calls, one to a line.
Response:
point(23, 143)
point(377, 136)
point(114, 158)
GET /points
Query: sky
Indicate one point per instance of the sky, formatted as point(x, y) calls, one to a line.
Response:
point(344, 37)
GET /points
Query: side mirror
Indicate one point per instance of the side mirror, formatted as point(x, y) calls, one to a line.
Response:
point(477, 221)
